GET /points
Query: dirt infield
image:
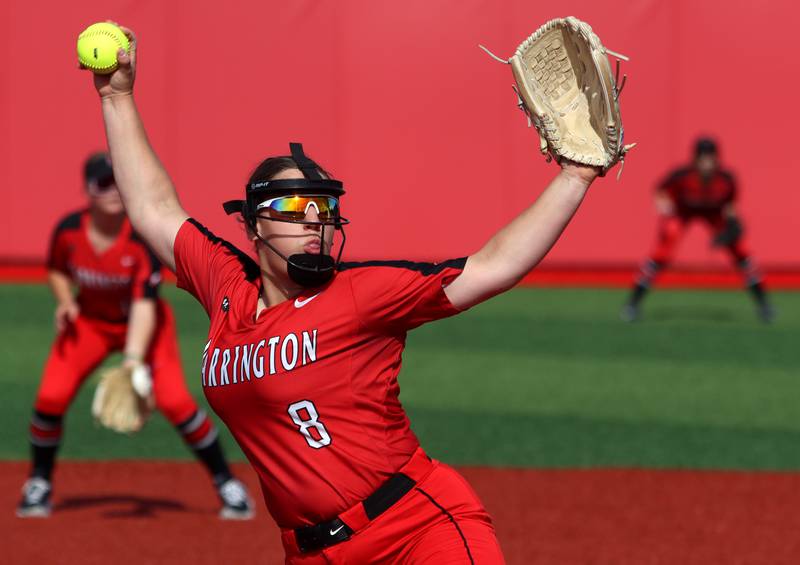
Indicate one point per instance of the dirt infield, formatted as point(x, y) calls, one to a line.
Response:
point(147, 512)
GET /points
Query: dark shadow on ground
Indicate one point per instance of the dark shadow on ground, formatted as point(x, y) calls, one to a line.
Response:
point(122, 505)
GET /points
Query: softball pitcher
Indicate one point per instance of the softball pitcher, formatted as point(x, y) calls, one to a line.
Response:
point(304, 352)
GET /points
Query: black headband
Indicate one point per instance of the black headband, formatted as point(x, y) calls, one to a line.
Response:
point(294, 185)
point(312, 183)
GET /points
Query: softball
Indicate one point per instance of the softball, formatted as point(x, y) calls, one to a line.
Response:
point(98, 45)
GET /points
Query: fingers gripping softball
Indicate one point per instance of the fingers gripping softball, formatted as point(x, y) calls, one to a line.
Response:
point(109, 51)
point(98, 46)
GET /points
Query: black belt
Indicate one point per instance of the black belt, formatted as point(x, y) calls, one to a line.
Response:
point(326, 534)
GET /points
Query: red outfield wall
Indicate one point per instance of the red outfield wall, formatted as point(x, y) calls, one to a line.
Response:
point(397, 100)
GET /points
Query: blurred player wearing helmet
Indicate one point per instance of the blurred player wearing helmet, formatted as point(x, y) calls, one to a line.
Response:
point(304, 351)
point(116, 308)
point(706, 192)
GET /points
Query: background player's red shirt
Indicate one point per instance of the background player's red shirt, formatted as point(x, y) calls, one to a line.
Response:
point(694, 196)
point(107, 282)
point(309, 389)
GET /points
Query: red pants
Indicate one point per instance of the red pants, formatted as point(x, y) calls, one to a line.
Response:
point(83, 345)
point(671, 228)
point(439, 521)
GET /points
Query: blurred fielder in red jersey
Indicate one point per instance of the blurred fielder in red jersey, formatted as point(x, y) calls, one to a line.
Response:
point(706, 192)
point(304, 351)
point(116, 308)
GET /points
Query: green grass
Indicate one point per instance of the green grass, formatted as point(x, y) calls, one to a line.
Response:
point(537, 377)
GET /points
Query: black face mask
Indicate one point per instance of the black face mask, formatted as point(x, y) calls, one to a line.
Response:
point(311, 270)
point(305, 269)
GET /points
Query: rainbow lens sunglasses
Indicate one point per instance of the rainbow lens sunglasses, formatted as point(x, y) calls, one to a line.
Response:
point(295, 206)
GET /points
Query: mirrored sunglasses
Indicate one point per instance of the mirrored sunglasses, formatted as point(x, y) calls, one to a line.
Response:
point(295, 207)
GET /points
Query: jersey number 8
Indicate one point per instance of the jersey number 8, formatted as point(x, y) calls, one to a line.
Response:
point(304, 415)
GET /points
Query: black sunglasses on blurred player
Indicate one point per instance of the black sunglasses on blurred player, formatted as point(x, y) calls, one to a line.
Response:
point(98, 173)
point(104, 183)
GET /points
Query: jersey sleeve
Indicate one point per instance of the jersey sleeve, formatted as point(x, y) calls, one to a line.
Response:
point(59, 248)
point(147, 278)
point(671, 183)
point(401, 295)
point(207, 265)
point(57, 254)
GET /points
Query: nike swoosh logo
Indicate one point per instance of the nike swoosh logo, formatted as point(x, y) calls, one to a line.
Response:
point(336, 531)
point(300, 303)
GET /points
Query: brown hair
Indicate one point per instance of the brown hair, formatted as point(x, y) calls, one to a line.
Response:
point(268, 169)
point(273, 166)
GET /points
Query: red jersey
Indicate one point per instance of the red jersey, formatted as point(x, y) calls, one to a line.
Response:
point(107, 282)
point(309, 388)
point(695, 196)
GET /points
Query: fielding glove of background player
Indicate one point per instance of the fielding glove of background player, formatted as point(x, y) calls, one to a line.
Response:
point(730, 234)
point(566, 88)
point(124, 398)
